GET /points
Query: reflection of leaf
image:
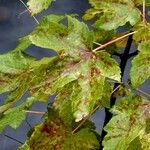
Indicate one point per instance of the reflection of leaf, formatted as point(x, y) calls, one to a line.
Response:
point(37, 6)
point(140, 70)
point(14, 116)
point(112, 14)
point(54, 134)
point(128, 125)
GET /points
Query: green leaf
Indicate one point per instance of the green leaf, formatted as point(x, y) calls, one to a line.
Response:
point(63, 103)
point(108, 67)
point(140, 70)
point(76, 100)
point(37, 6)
point(19, 90)
point(14, 116)
point(144, 47)
point(113, 14)
point(128, 124)
point(24, 147)
point(70, 40)
point(84, 139)
point(91, 93)
point(143, 32)
point(89, 87)
point(23, 44)
point(107, 92)
point(14, 62)
point(54, 134)
point(13, 66)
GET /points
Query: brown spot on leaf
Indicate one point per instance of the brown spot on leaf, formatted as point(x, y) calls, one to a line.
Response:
point(95, 72)
point(49, 129)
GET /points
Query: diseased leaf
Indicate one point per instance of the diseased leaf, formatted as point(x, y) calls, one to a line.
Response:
point(71, 39)
point(108, 67)
point(83, 139)
point(14, 116)
point(140, 70)
point(87, 91)
point(37, 6)
point(113, 14)
point(143, 32)
point(75, 102)
point(144, 47)
point(54, 134)
point(18, 92)
point(13, 66)
point(88, 82)
point(107, 92)
point(128, 124)
point(91, 93)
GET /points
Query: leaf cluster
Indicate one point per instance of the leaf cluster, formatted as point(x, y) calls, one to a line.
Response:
point(82, 76)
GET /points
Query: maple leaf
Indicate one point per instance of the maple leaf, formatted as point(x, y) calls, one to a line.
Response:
point(90, 75)
point(128, 125)
point(140, 63)
point(71, 39)
point(112, 14)
point(143, 32)
point(14, 116)
point(54, 134)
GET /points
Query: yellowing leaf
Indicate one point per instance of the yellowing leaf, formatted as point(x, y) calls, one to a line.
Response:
point(37, 6)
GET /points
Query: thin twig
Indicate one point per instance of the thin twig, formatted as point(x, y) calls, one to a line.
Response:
point(144, 12)
point(85, 119)
point(20, 14)
point(115, 89)
point(94, 110)
point(29, 11)
point(97, 43)
point(113, 41)
point(146, 94)
point(138, 90)
point(133, 54)
point(34, 112)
